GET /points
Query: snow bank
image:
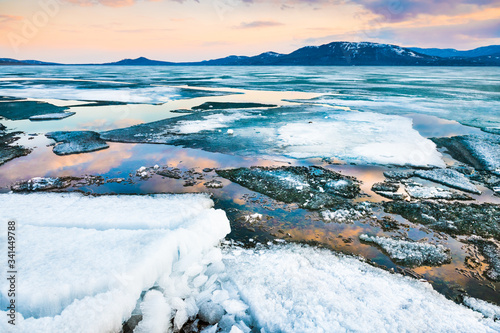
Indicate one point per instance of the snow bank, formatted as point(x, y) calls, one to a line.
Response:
point(360, 137)
point(84, 261)
point(300, 289)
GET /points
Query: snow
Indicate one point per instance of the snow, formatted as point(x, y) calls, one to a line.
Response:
point(487, 309)
point(294, 288)
point(120, 94)
point(417, 191)
point(409, 252)
point(360, 137)
point(449, 177)
point(341, 215)
point(85, 261)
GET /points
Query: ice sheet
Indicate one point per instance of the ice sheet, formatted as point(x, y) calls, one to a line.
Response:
point(83, 262)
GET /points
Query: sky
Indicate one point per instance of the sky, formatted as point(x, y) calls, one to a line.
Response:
point(95, 31)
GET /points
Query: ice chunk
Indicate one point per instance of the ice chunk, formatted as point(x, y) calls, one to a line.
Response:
point(418, 191)
point(52, 116)
point(102, 262)
point(410, 253)
point(155, 314)
point(448, 177)
point(211, 312)
point(480, 151)
point(294, 288)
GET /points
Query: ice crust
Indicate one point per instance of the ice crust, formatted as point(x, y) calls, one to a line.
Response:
point(85, 261)
point(292, 288)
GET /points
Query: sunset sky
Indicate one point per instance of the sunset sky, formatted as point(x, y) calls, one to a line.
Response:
point(82, 31)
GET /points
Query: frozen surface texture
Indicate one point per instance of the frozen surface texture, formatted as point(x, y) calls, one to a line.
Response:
point(295, 132)
point(309, 187)
point(107, 251)
point(410, 253)
point(293, 288)
point(452, 217)
point(448, 177)
point(480, 151)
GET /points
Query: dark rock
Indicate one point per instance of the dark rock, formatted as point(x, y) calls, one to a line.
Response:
point(19, 110)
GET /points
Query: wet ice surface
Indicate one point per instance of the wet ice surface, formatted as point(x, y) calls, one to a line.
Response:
point(277, 207)
point(295, 132)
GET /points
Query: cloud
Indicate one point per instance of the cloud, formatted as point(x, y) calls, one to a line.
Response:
point(400, 10)
point(9, 18)
point(259, 24)
point(109, 3)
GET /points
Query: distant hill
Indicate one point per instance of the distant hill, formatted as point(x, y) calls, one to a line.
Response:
point(448, 53)
point(140, 62)
point(332, 54)
point(9, 61)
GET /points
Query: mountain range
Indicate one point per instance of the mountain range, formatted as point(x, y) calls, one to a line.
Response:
point(332, 54)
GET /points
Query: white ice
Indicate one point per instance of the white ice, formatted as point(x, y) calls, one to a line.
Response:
point(293, 288)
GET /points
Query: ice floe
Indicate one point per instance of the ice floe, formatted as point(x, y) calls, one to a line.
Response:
point(76, 142)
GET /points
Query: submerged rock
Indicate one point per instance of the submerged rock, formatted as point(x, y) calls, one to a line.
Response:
point(19, 110)
point(309, 187)
point(231, 105)
point(8, 150)
point(451, 217)
point(410, 253)
point(492, 254)
point(76, 142)
point(480, 151)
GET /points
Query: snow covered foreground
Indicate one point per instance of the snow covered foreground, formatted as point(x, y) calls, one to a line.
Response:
point(86, 264)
